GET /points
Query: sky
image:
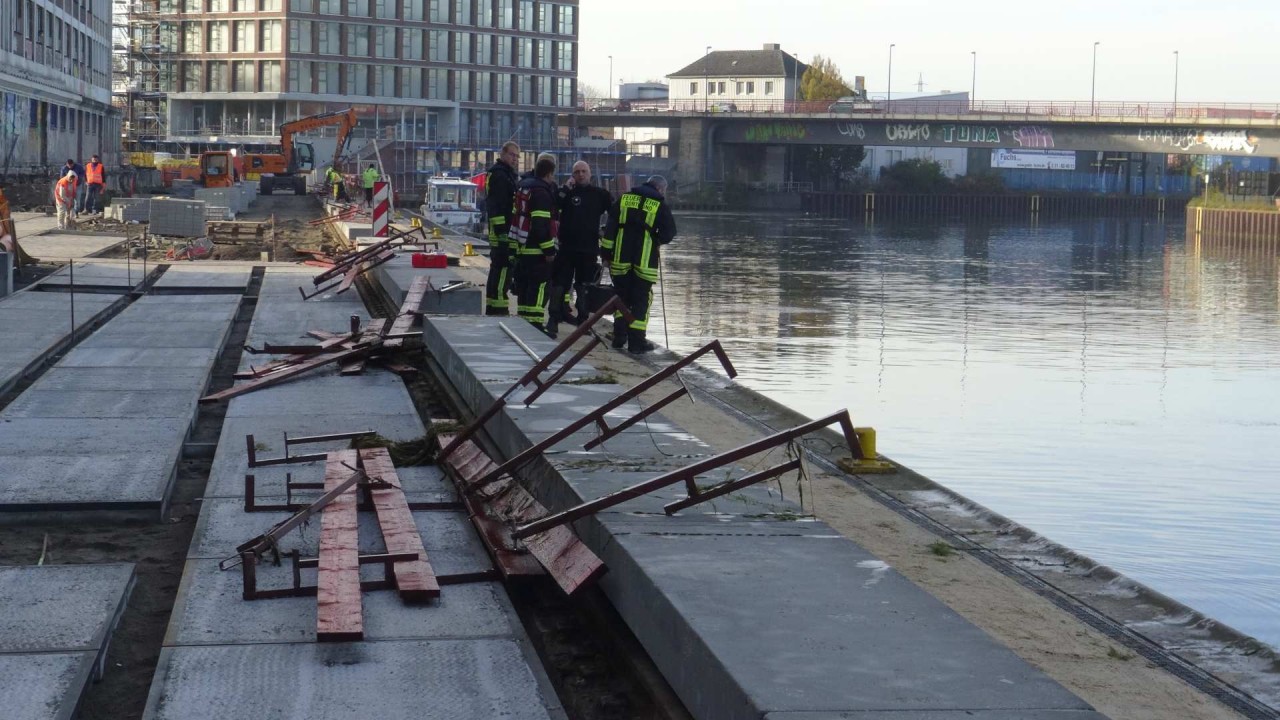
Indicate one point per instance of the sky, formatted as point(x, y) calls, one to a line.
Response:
point(1028, 50)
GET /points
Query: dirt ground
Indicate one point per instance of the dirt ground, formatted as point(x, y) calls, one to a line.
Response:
point(1117, 683)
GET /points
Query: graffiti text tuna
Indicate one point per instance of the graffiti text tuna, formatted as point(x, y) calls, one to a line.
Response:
point(970, 134)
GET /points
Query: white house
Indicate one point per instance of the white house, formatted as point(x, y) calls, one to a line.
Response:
point(729, 80)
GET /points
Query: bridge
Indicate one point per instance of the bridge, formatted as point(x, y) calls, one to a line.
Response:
point(699, 129)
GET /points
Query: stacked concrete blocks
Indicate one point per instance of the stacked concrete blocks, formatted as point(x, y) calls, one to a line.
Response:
point(129, 209)
point(177, 218)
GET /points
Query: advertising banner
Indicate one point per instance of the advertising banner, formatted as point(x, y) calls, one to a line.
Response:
point(1034, 159)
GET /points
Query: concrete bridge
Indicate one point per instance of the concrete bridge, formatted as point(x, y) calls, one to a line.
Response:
point(1158, 129)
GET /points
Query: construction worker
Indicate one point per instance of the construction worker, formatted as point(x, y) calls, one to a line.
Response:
point(533, 228)
point(370, 176)
point(78, 169)
point(334, 178)
point(500, 190)
point(581, 206)
point(95, 176)
point(64, 198)
point(640, 223)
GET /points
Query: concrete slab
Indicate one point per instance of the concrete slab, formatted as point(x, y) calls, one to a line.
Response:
point(111, 378)
point(54, 246)
point(396, 276)
point(79, 403)
point(467, 679)
point(54, 634)
point(374, 391)
point(205, 276)
point(155, 337)
point(53, 480)
point(92, 357)
point(941, 715)
point(103, 274)
point(37, 325)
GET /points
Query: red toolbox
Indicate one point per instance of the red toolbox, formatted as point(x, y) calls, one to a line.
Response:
point(430, 260)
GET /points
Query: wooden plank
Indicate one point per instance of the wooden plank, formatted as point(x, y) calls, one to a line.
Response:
point(415, 579)
point(412, 301)
point(339, 614)
point(559, 551)
point(282, 374)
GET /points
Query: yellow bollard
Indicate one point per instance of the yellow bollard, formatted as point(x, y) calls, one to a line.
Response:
point(870, 461)
point(468, 250)
point(435, 233)
point(415, 222)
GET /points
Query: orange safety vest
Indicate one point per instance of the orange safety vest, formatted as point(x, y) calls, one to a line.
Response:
point(93, 173)
point(66, 191)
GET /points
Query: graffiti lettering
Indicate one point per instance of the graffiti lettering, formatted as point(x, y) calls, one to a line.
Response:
point(902, 132)
point(970, 134)
point(853, 130)
point(767, 132)
point(1187, 139)
point(1033, 136)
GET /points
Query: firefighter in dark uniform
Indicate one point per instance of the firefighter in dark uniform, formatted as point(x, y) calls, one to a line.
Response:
point(640, 222)
point(500, 189)
point(581, 206)
point(533, 228)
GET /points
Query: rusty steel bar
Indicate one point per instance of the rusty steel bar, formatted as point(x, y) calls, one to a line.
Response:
point(465, 433)
point(545, 385)
point(597, 415)
point(725, 488)
point(607, 432)
point(688, 473)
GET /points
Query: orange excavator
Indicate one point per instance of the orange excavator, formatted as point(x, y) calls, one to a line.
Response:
point(283, 171)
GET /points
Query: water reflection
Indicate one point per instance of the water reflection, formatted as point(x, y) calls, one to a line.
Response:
point(1109, 383)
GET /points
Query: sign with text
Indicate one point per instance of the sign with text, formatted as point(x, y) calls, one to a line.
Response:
point(1033, 159)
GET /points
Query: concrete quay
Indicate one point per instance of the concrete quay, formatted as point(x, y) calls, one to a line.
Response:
point(747, 611)
point(103, 430)
point(463, 656)
point(54, 634)
point(38, 325)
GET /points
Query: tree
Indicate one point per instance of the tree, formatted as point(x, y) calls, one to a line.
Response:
point(822, 81)
point(915, 176)
point(828, 167)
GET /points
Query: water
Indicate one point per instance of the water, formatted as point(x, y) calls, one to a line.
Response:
point(1102, 381)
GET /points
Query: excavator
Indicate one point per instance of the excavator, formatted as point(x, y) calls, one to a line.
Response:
point(286, 170)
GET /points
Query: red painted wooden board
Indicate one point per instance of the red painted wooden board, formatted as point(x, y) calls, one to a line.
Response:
point(415, 579)
point(339, 614)
point(569, 562)
point(412, 301)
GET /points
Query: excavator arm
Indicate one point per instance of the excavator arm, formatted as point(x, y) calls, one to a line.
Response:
point(344, 119)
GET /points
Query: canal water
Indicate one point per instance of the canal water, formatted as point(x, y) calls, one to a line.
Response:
point(1101, 381)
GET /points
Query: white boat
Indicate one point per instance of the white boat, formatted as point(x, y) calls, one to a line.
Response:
point(451, 202)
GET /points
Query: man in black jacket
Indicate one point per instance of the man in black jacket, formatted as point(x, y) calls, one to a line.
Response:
point(533, 228)
point(640, 223)
point(581, 206)
point(500, 189)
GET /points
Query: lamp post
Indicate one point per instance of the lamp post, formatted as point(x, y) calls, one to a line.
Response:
point(1175, 83)
point(973, 85)
point(888, 95)
point(706, 81)
point(610, 90)
point(1093, 83)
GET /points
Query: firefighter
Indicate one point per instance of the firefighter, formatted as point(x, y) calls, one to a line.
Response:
point(500, 190)
point(640, 223)
point(96, 177)
point(581, 206)
point(533, 228)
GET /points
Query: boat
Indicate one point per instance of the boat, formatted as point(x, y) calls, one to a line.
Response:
point(451, 202)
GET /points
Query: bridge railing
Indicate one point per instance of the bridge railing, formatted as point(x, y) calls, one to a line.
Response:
point(1163, 112)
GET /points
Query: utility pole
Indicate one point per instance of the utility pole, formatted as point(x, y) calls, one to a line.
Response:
point(920, 83)
point(888, 95)
point(973, 85)
point(1093, 84)
point(610, 91)
point(706, 80)
point(1175, 83)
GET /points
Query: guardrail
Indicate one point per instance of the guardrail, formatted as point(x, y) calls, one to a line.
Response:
point(1013, 109)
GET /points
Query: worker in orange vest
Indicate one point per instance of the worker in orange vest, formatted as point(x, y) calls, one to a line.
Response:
point(64, 197)
point(95, 175)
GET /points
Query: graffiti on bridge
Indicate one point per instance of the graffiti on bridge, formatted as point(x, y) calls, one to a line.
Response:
point(1187, 139)
point(1033, 136)
point(851, 130)
point(766, 132)
point(987, 134)
point(901, 132)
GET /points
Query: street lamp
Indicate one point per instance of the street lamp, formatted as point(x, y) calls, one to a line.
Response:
point(1175, 83)
point(973, 86)
point(706, 81)
point(1093, 84)
point(610, 90)
point(888, 95)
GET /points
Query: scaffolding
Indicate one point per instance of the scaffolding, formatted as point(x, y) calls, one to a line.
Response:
point(143, 49)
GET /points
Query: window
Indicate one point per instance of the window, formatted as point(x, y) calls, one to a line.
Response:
point(245, 42)
point(358, 40)
point(737, 90)
point(484, 87)
point(413, 9)
point(411, 39)
point(384, 80)
point(720, 88)
point(437, 83)
point(217, 6)
point(484, 14)
point(544, 18)
point(564, 60)
point(384, 41)
point(192, 6)
point(192, 77)
point(503, 89)
point(306, 6)
point(271, 5)
point(484, 48)
point(462, 86)
point(300, 36)
point(564, 93)
point(326, 78)
point(439, 11)
point(505, 16)
point(439, 46)
point(504, 51)
point(462, 47)
point(384, 9)
point(524, 52)
point(271, 76)
point(693, 88)
point(357, 79)
point(271, 31)
point(768, 87)
point(299, 76)
point(411, 82)
point(546, 94)
point(192, 37)
point(331, 7)
point(462, 11)
point(218, 36)
point(358, 8)
point(526, 15)
point(566, 20)
point(244, 5)
point(544, 54)
point(217, 77)
point(242, 72)
point(329, 43)
point(751, 88)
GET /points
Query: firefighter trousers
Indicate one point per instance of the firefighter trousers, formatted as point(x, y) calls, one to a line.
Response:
point(637, 294)
point(531, 290)
point(499, 282)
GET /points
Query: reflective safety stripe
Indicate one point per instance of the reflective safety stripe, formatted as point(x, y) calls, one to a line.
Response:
point(526, 250)
point(497, 220)
point(541, 214)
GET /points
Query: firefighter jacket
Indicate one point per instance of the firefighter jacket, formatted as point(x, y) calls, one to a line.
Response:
point(500, 190)
point(533, 223)
point(94, 173)
point(639, 223)
point(581, 208)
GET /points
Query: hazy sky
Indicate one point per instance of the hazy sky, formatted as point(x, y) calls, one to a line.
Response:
point(1032, 49)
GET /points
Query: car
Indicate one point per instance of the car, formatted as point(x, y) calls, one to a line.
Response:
point(850, 104)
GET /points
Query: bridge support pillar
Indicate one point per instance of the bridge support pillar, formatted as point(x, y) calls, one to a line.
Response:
point(691, 148)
